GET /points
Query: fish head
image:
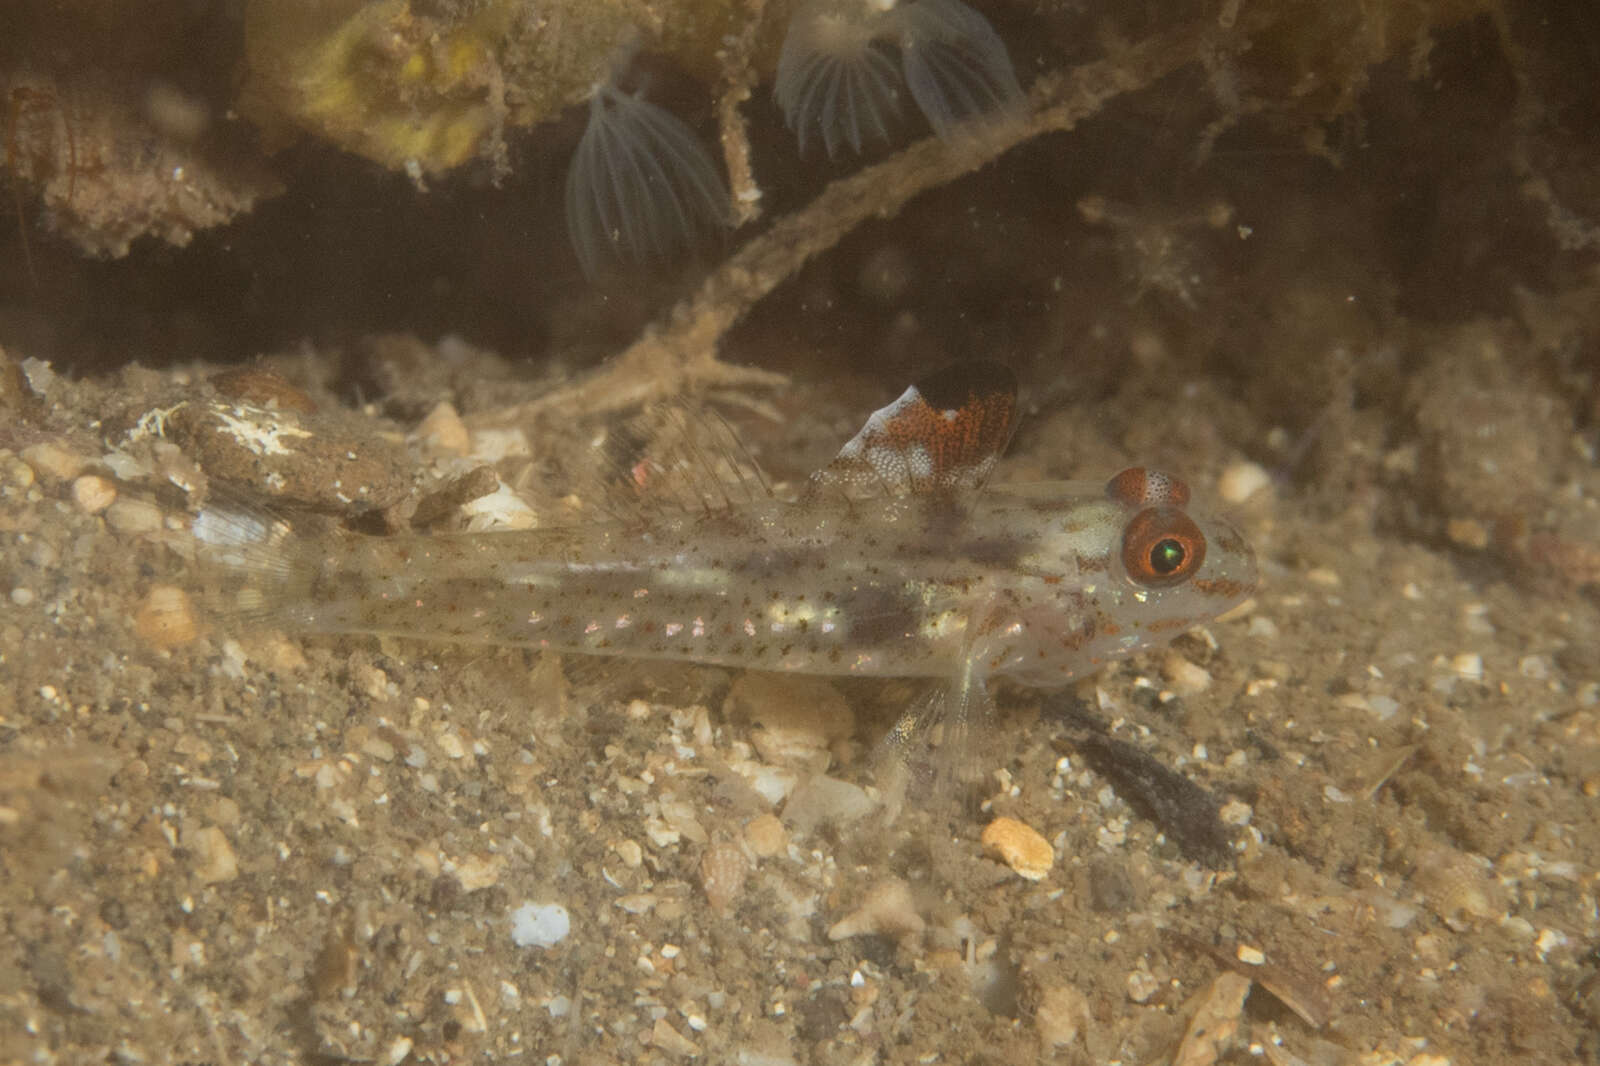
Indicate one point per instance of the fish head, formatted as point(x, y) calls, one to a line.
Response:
point(1116, 573)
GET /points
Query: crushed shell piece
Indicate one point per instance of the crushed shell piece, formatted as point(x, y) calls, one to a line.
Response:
point(262, 387)
point(1020, 847)
point(668, 1039)
point(214, 859)
point(796, 717)
point(443, 431)
point(888, 910)
point(723, 870)
point(166, 618)
point(1215, 1022)
point(1061, 1017)
point(766, 836)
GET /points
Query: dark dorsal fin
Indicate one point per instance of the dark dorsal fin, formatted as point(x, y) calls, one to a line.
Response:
point(944, 434)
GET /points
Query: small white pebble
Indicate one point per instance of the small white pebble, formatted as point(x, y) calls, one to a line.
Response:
point(1536, 667)
point(93, 493)
point(16, 473)
point(1382, 707)
point(53, 461)
point(1235, 812)
point(493, 445)
point(1468, 665)
point(450, 743)
point(1142, 984)
point(133, 516)
point(1321, 575)
point(21, 596)
point(1185, 677)
point(41, 375)
point(1250, 956)
point(1263, 627)
point(1241, 481)
point(540, 925)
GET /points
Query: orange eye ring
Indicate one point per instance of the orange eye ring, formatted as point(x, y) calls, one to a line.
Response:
point(1161, 546)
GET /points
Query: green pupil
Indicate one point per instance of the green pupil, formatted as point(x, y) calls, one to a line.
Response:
point(1166, 556)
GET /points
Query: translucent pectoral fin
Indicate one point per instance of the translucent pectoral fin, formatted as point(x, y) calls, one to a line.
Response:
point(937, 747)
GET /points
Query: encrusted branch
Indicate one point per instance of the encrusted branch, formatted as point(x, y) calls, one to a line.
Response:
point(738, 79)
point(681, 352)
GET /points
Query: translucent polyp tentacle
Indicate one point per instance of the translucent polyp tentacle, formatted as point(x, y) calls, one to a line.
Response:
point(641, 187)
point(956, 66)
point(835, 79)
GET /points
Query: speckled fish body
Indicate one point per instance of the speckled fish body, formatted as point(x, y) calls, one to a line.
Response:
point(894, 562)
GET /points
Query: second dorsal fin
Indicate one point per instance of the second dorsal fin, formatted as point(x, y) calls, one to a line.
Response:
point(943, 434)
point(674, 456)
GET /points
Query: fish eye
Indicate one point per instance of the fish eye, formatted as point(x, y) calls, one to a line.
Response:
point(1161, 546)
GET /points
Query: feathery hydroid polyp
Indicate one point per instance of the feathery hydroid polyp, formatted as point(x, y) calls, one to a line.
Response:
point(834, 74)
point(640, 187)
point(837, 77)
point(956, 65)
